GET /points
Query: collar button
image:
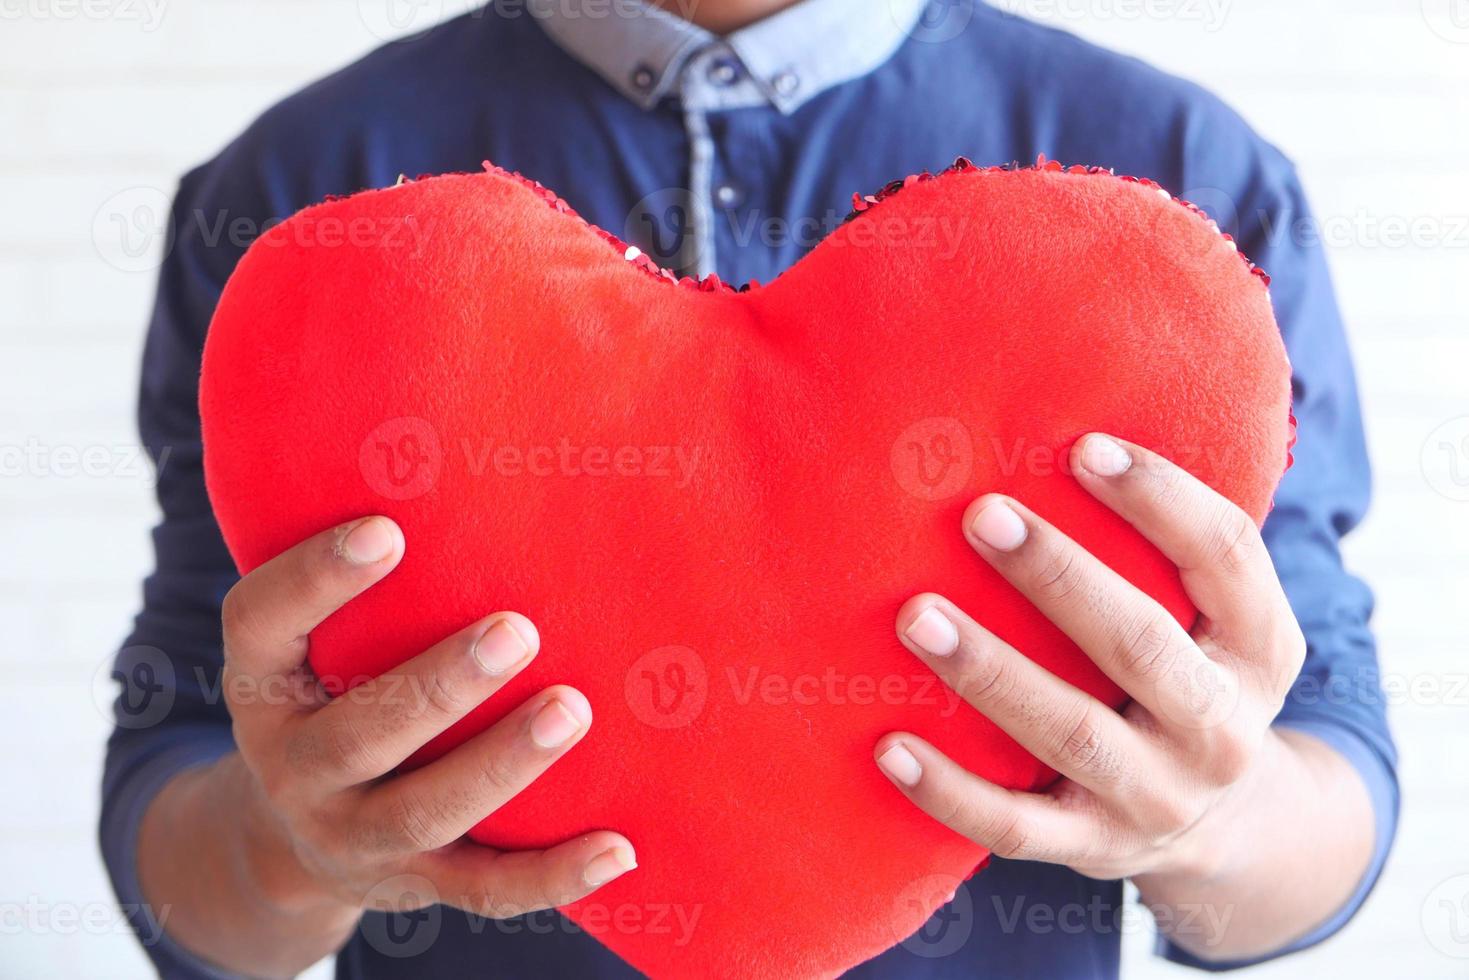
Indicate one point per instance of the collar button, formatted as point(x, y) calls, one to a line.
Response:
point(785, 83)
point(724, 71)
point(643, 78)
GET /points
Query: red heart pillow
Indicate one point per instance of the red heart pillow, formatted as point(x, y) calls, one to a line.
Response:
point(712, 502)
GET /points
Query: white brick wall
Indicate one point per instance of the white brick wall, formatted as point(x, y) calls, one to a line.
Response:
point(108, 96)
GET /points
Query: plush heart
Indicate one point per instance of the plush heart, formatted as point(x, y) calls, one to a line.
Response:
point(712, 501)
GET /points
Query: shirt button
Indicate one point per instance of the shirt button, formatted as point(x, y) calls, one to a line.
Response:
point(643, 78)
point(724, 71)
point(727, 195)
point(785, 83)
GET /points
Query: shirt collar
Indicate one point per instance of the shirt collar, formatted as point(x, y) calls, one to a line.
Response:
point(647, 53)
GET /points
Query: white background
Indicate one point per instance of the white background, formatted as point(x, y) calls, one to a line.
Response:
point(100, 98)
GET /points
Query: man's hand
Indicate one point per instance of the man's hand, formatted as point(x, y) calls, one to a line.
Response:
point(1138, 781)
point(320, 817)
point(1157, 789)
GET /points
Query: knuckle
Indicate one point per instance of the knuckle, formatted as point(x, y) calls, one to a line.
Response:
point(345, 851)
point(235, 618)
point(278, 788)
point(1277, 656)
point(310, 581)
point(345, 748)
point(546, 892)
point(492, 900)
point(1229, 756)
point(1058, 574)
point(411, 824)
point(443, 698)
point(1148, 647)
point(1083, 749)
point(500, 774)
point(1292, 652)
point(986, 680)
point(1234, 541)
point(1014, 838)
point(303, 754)
point(244, 736)
point(1169, 814)
point(1167, 485)
point(504, 897)
point(1107, 840)
point(235, 688)
point(954, 810)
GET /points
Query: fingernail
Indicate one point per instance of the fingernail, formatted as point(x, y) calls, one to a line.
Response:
point(500, 648)
point(609, 864)
point(370, 541)
point(999, 527)
point(899, 763)
point(1104, 456)
point(553, 725)
point(932, 633)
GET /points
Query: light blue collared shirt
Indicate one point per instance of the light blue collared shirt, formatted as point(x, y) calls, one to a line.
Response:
point(783, 61)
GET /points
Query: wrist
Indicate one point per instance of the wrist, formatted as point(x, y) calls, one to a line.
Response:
point(268, 863)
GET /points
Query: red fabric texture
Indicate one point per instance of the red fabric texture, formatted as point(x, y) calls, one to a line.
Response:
point(712, 502)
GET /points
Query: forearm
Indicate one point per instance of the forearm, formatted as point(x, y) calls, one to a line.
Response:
point(233, 892)
point(1281, 855)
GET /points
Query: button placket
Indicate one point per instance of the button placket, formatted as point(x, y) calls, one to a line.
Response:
point(701, 167)
point(713, 80)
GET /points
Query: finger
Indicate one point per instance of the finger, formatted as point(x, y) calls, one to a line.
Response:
point(1125, 632)
point(1217, 547)
point(436, 805)
point(1066, 728)
point(502, 884)
point(267, 615)
point(371, 729)
point(1008, 823)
